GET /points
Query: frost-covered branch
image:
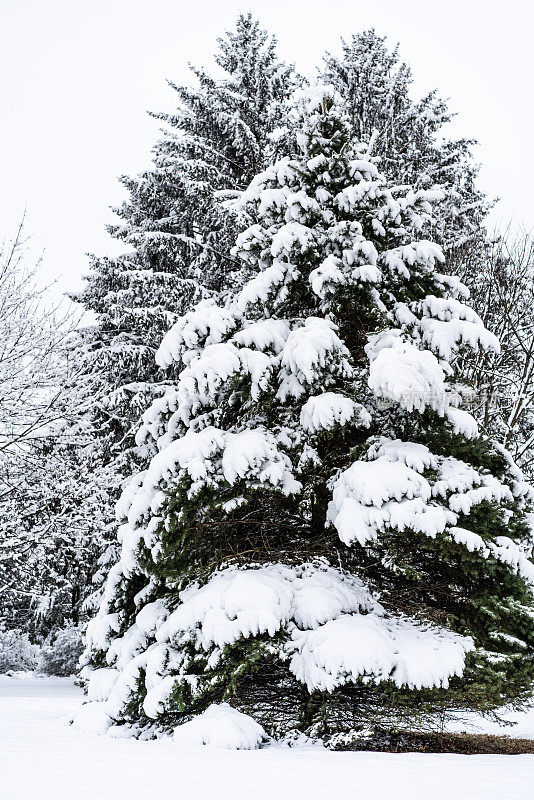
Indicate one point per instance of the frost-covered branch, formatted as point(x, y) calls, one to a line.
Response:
point(32, 335)
point(501, 277)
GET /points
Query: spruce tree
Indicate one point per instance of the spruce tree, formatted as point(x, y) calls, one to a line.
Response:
point(178, 233)
point(413, 148)
point(323, 539)
point(174, 223)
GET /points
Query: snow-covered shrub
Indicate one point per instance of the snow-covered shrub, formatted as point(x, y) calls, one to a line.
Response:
point(16, 651)
point(61, 656)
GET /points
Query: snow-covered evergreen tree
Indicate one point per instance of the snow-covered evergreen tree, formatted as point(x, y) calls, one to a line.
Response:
point(323, 537)
point(177, 230)
point(178, 234)
point(408, 136)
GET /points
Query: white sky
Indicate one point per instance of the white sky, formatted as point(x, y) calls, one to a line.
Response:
point(76, 78)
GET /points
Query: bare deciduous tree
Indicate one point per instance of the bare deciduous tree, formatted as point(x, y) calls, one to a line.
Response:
point(501, 278)
point(32, 334)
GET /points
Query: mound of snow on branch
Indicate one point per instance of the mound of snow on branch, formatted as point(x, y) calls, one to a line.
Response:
point(336, 633)
point(374, 649)
point(221, 726)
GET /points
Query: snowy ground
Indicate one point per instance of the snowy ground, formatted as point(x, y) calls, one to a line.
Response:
point(43, 758)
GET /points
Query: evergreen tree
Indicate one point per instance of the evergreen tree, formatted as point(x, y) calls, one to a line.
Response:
point(323, 537)
point(177, 231)
point(408, 136)
point(178, 234)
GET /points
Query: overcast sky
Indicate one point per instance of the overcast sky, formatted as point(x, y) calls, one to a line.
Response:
point(77, 77)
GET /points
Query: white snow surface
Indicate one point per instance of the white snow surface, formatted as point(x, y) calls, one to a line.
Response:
point(101, 682)
point(44, 758)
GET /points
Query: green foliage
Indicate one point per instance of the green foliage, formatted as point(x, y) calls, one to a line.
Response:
point(208, 520)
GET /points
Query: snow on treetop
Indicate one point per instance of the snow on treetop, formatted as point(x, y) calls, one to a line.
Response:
point(289, 235)
point(311, 352)
point(373, 483)
point(258, 289)
point(444, 337)
point(236, 603)
point(313, 96)
point(264, 335)
point(403, 374)
point(414, 455)
point(371, 496)
point(423, 254)
point(390, 491)
point(462, 422)
point(507, 551)
point(214, 454)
